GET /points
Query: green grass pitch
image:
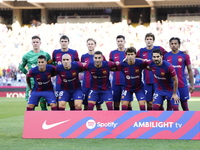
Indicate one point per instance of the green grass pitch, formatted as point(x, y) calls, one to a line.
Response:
point(11, 130)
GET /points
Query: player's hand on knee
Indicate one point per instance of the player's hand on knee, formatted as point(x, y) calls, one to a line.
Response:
point(30, 92)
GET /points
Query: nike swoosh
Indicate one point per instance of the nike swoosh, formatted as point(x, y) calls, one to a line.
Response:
point(46, 127)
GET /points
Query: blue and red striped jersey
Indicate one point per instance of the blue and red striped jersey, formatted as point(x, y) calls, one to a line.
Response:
point(57, 57)
point(86, 58)
point(117, 56)
point(100, 76)
point(70, 79)
point(42, 79)
point(163, 75)
point(133, 74)
point(144, 53)
point(179, 61)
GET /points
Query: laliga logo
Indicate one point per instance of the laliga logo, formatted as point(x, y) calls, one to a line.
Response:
point(90, 124)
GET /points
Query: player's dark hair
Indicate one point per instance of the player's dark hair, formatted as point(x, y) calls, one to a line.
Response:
point(36, 37)
point(175, 38)
point(98, 53)
point(91, 39)
point(131, 50)
point(42, 57)
point(64, 37)
point(150, 35)
point(120, 36)
point(157, 50)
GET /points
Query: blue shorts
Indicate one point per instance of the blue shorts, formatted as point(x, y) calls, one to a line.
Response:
point(57, 91)
point(85, 97)
point(128, 96)
point(48, 95)
point(117, 91)
point(66, 95)
point(160, 96)
point(105, 95)
point(149, 91)
point(184, 93)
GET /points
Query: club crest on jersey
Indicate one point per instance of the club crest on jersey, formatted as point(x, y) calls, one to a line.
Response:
point(137, 70)
point(104, 72)
point(49, 76)
point(162, 73)
point(180, 59)
point(74, 73)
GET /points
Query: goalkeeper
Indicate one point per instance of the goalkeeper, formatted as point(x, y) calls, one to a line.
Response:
point(30, 59)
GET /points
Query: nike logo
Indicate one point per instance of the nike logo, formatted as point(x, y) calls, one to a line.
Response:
point(144, 54)
point(38, 79)
point(46, 127)
point(169, 60)
point(62, 75)
point(126, 71)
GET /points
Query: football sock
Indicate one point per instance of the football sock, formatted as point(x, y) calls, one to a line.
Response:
point(161, 107)
point(79, 109)
point(129, 108)
point(43, 106)
point(109, 105)
point(169, 105)
point(175, 107)
point(72, 108)
point(184, 105)
point(29, 109)
point(60, 108)
point(149, 108)
point(142, 107)
point(54, 108)
point(156, 107)
point(124, 107)
point(90, 106)
point(116, 108)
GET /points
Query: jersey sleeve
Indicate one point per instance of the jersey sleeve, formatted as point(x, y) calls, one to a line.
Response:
point(80, 66)
point(163, 52)
point(23, 64)
point(144, 64)
point(111, 64)
point(30, 74)
point(85, 68)
point(81, 58)
point(76, 58)
point(110, 57)
point(104, 59)
point(187, 60)
point(138, 54)
point(119, 66)
point(172, 71)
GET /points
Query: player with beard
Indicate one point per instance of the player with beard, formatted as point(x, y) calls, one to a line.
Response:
point(87, 79)
point(179, 60)
point(100, 84)
point(166, 79)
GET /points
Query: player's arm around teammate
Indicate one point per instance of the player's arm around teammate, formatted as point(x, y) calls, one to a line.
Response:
point(132, 70)
point(43, 87)
point(70, 84)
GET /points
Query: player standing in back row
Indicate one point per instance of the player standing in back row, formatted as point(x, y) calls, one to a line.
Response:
point(179, 60)
point(30, 59)
point(57, 57)
point(118, 77)
point(149, 82)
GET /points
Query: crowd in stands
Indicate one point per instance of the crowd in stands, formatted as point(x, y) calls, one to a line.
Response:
point(16, 42)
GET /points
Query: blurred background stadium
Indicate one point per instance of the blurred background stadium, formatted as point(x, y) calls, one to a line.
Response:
point(102, 20)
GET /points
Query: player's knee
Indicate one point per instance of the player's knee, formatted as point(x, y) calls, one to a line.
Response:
point(53, 105)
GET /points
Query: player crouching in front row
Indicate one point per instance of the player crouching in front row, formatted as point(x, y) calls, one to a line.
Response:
point(43, 87)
